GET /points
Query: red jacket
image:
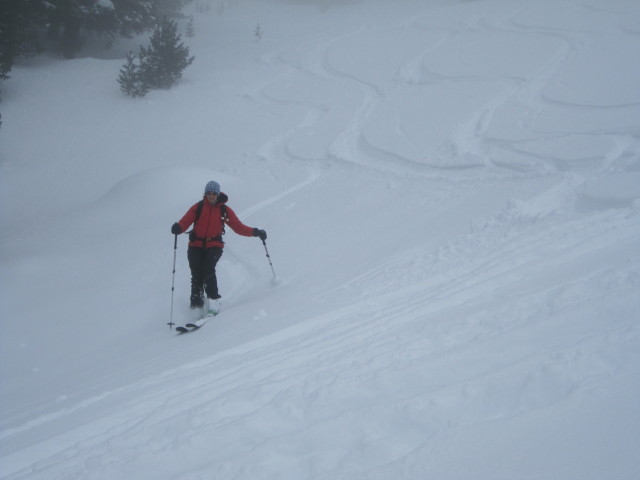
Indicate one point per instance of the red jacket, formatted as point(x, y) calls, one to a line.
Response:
point(210, 223)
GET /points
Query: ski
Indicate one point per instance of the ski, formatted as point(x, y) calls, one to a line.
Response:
point(190, 327)
point(198, 323)
point(206, 315)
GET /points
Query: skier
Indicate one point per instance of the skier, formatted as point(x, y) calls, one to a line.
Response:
point(209, 217)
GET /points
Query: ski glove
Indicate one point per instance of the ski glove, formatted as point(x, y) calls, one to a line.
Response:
point(260, 233)
point(175, 229)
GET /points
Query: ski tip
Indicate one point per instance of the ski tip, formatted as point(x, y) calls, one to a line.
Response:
point(182, 329)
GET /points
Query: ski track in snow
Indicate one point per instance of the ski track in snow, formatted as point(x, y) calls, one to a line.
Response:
point(527, 318)
point(363, 353)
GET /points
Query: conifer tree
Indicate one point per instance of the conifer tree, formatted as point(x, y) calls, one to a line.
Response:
point(130, 79)
point(20, 22)
point(162, 63)
point(191, 29)
point(257, 33)
point(68, 23)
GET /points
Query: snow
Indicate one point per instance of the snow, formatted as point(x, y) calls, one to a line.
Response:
point(451, 191)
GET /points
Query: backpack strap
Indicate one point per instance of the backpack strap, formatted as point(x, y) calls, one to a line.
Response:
point(224, 217)
point(198, 213)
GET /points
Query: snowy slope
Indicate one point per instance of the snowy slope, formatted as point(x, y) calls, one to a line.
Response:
point(452, 195)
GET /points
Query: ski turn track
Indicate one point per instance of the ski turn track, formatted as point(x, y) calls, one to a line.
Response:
point(373, 381)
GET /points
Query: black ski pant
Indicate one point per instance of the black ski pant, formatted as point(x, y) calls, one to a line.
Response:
point(202, 262)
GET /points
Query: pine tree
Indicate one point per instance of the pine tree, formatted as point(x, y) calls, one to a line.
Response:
point(67, 24)
point(257, 33)
point(191, 30)
point(130, 79)
point(20, 22)
point(162, 63)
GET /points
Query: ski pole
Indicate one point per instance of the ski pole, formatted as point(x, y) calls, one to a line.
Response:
point(275, 278)
point(173, 280)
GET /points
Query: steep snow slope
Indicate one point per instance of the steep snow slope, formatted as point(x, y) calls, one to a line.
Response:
point(451, 195)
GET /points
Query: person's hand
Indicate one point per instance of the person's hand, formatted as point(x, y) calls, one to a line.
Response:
point(260, 233)
point(175, 229)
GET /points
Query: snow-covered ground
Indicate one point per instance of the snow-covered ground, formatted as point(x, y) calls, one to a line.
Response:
point(452, 195)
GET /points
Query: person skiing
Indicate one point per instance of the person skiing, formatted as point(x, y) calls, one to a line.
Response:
point(209, 217)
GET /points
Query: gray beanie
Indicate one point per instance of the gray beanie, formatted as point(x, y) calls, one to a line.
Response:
point(212, 187)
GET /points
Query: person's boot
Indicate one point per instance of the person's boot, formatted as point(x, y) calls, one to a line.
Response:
point(196, 300)
point(214, 307)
